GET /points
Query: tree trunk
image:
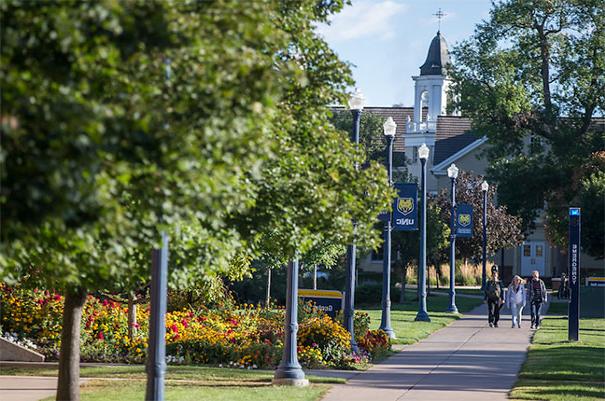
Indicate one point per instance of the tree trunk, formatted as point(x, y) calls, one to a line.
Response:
point(315, 277)
point(403, 280)
point(268, 295)
point(132, 316)
point(438, 275)
point(68, 386)
point(428, 279)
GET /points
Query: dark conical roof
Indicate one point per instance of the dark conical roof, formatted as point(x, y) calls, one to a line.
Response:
point(437, 58)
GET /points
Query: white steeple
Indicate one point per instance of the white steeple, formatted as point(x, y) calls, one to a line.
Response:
point(431, 86)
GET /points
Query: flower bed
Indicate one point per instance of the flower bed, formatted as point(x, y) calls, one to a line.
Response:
point(248, 336)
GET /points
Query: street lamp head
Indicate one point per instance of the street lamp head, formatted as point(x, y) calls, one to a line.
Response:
point(356, 101)
point(423, 151)
point(484, 186)
point(390, 126)
point(452, 171)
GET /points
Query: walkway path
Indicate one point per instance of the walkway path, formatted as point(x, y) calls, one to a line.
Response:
point(26, 388)
point(465, 361)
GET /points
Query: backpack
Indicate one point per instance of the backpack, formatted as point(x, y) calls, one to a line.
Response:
point(493, 291)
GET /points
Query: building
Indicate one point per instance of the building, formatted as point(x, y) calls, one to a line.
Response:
point(451, 140)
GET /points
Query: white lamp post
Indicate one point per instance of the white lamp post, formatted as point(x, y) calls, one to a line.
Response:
point(484, 188)
point(423, 315)
point(356, 103)
point(452, 173)
point(385, 324)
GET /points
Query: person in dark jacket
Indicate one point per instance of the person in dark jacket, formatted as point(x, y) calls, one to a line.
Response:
point(494, 296)
point(537, 297)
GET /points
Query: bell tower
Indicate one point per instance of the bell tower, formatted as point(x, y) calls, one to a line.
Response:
point(430, 89)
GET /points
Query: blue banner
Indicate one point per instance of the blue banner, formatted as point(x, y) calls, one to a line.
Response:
point(405, 209)
point(464, 220)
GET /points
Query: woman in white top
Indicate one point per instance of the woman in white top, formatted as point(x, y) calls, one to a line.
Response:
point(515, 299)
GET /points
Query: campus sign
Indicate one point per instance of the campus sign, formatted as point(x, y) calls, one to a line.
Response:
point(328, 301)
point(573, 330)
point(464, 220)
point(405, 209)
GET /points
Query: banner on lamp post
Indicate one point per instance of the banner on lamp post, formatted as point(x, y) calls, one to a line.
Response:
point(405, 208)
point(464, 220)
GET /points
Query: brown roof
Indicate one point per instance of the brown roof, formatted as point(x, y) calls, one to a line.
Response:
point(453, 134)
point(400, 115)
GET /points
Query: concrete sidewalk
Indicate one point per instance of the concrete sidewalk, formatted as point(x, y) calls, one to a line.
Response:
point(465, 361)
point(27, 388)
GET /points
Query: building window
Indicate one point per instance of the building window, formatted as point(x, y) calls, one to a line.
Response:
point(539, 251)
point(526, 250)
point(415, 154)
point(535, 144)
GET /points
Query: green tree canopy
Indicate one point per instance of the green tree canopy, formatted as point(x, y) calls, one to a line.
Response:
point(207, 120)
point(532, 78)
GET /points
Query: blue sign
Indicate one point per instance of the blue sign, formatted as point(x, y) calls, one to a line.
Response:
point(328, 301)
point(464, 220)
point(573, 314)
point(405, 209)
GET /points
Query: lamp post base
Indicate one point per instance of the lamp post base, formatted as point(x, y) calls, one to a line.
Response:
point(290, 376)
point(452, 309)
point(389, 332)
point(422, 316)
point(290, 382)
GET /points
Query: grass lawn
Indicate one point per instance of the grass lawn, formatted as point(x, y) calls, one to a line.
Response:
point(558, 370)
point(186, 383)
point(173, 372)
point(409, 331)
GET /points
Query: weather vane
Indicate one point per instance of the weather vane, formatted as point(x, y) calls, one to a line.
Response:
point(440, 14)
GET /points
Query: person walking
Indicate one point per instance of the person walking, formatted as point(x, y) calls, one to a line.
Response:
point(516, 299)
point(494, 296)
point(537, 297)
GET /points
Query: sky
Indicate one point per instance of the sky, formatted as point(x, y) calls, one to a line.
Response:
point(387, 41)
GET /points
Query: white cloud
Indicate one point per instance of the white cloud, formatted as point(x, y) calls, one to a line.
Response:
point(363, 19)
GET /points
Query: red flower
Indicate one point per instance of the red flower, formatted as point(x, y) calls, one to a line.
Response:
point(174, 328)
point(185, 323)
point(57, 297)
point(105, 302)
point(100, 336)
point(136, 325)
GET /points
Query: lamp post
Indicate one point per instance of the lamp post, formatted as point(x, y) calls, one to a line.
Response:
point(484, 188)
point(289, 371)
point(356, 105)
point(452, 172)
point(385, 323)
point(423, 155)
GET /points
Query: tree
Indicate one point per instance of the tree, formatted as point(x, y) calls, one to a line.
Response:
point(532, 79)
point(102, 151)
point(504, 230)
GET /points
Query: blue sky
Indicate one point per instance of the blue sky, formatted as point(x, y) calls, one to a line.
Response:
point(387, 40)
